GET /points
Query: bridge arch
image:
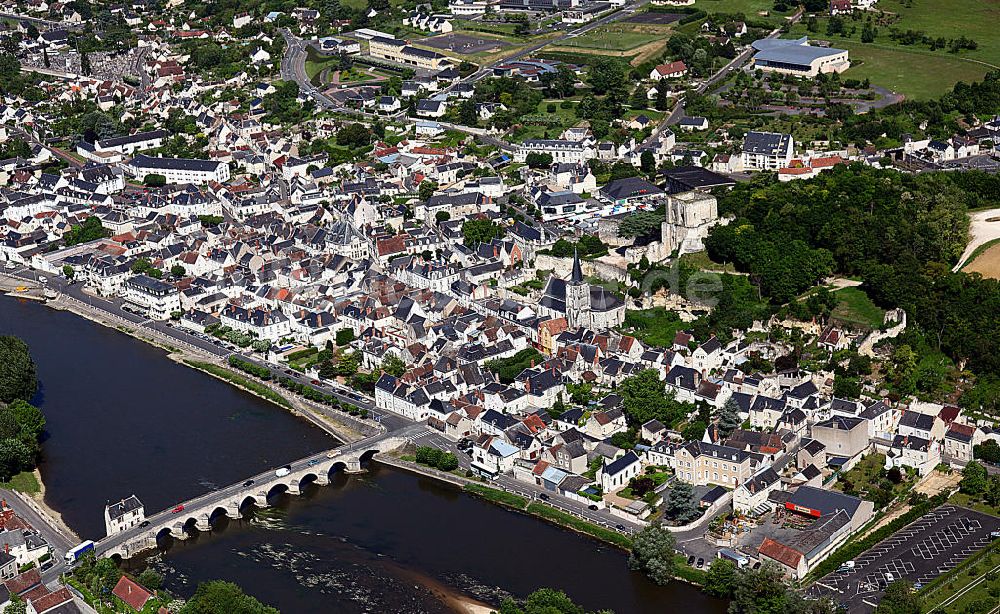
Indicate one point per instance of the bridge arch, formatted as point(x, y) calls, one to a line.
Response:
point(163, 533)
point(247, 502)
point(307, 479)
point(216, 513)
point(190, 522)
point(277, 489)
point(367, 456)
point(336, 467)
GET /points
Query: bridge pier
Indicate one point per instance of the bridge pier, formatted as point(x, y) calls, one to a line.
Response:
point(293, 488)
point(354, 466)
point(177, 532)
point(323, 479)
point(260, 500)
point(233, 511)
point(202, 523)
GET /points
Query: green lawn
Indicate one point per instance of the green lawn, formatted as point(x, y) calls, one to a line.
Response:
point(976, 503)
point(655, 326)
point(866, 476)
point(610, 38)
point(856, 308)
point(750, 8)
point(702, 262)
point(240, 381)
point(914, 73)
point(25, 482)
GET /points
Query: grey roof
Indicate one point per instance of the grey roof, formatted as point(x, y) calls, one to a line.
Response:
point(130, 504)
point(767, 143)
point(790, 51)
point(174, 164)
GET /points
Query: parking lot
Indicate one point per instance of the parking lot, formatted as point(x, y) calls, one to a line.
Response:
point(463, 43)
point(933, 545)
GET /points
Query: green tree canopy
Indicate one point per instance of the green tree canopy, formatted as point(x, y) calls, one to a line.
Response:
point(18, 379)
point(653, 553)
point(218, 596)
point(475, 232)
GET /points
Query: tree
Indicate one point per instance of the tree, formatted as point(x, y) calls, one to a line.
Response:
point(177, 270)
point(720, 581)
point(393, 365)
point(151, 579)
point(974, 479)
point(68, 271)
point(475, 232)
point(15, 457)
point(538, 160)
point(694, 431)
point(680, 505)
point(759, 591)
point(645, 398)
point(467, 113)
point(345, 336)
point(543, 601)
point(85, 63)
point(729, 417)
point(447, 462)
point(29, 419)
point(899, 598)
point(647, 162)
point(89, 230)
point(18, 379)
point(154, 180)
point(219, 596)
point(353, 136)
point(442, 216)
point(641, 485)
point(988, 451)
point(427, 189)
point(653, 554)
point(16, 606)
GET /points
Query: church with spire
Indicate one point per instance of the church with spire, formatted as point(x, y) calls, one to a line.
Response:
point(582, 304)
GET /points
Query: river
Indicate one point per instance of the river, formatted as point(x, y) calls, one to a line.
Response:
point(122, 419)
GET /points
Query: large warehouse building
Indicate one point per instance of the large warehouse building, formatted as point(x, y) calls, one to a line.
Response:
point(798, 57)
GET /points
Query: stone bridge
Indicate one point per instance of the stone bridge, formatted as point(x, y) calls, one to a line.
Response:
point(202, 512)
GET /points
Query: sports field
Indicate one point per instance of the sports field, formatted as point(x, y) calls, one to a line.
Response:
point(611, 38)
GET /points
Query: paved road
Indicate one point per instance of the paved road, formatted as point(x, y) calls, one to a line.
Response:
point(215, 347)
point(29, 511)
point(54, 25)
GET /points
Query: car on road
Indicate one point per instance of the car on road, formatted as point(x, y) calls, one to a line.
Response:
point(315, 382)
point(994, 534)
point(282, 472)
point(332, 453)
point(248, 483)
point(592, 507)
point(178, 509)
point(700, 564)
point(620, 527)
point(47, 565)
point(313, 462)
point(144, 524)
point(543, 497)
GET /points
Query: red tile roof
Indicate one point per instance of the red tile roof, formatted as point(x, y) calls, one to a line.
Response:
point(52, 600)
point(21, 583)
point(780, 552)
point(134, 595)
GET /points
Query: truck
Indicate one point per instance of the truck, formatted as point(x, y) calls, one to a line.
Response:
point(78, 552)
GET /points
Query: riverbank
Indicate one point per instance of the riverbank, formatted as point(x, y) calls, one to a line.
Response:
point(52, 517)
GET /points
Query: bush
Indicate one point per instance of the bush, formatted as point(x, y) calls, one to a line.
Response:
point(154, 180)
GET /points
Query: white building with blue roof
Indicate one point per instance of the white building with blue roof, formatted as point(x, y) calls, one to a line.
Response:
point(797, 57)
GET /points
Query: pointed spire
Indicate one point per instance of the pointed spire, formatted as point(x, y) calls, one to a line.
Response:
point(577, 276)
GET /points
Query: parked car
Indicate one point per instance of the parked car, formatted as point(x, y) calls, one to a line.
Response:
point(701, 563)
point(691, 560)
point(178, 509)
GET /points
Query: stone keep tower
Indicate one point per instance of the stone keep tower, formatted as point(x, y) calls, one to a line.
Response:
point(577, 297)
point(690, 215)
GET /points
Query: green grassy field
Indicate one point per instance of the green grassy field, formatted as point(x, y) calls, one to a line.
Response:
point(914, 73)
point(750, 8)
point(25, 482)
point(656, 326)
point(856, 308)
point(915, 70)
point(610, 38)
